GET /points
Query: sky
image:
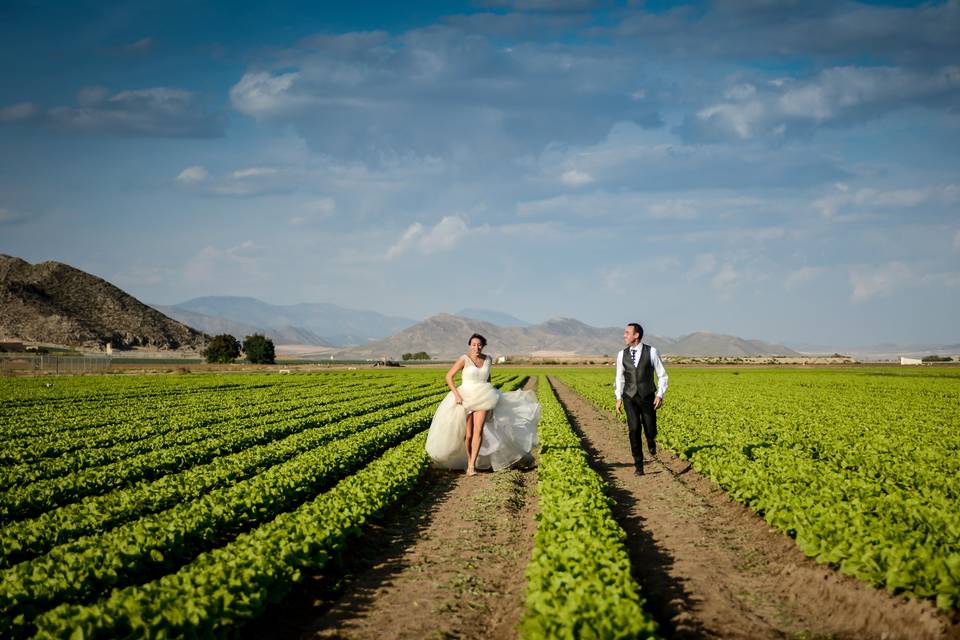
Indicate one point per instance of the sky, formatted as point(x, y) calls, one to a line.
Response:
point(786, 171)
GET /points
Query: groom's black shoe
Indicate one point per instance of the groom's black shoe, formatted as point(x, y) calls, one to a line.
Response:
point(638, 472)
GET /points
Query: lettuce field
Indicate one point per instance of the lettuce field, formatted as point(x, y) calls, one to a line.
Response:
point(164, 506)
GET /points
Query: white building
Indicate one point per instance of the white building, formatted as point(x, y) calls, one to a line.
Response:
point(910, 361)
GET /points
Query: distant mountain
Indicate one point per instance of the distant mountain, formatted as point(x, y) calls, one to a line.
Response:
point(215, 325)
point(493, 317)
point(444, 336)
point(713, 344)
point(885, 351)
point(55, 303)
point(327, 323)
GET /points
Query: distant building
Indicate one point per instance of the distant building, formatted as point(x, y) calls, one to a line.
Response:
point(910, 361)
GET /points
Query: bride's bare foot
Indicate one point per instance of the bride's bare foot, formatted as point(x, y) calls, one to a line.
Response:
point(471, 472)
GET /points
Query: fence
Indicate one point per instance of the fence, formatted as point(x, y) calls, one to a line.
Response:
point(18, 363)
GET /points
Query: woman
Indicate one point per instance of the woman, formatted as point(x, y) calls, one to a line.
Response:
point(475, 425)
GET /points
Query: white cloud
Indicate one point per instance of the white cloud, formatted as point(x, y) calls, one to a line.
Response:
point(192, 175)
point(847, 200)
point(253, 172)
point(443, 236)
point(261, 94)
point(834, 96)
point(163, 112)
point(242, 182)
point(576, 178)
point(874, 281)
point(803, 276)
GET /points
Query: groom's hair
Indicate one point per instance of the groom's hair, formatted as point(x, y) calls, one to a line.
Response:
point(636, 327)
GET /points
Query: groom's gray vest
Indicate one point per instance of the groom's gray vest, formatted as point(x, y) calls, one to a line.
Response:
point(638, 380)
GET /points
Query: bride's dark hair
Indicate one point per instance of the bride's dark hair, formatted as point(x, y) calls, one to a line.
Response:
point(483, 341)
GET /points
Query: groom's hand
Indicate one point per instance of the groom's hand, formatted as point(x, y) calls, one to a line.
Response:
point(657, 402)
point(619, 406)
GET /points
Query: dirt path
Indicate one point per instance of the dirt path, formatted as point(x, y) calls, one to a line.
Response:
point(710, 568)
point(449, 564)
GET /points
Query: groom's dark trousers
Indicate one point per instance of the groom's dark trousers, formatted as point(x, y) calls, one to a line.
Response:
point(639, 391)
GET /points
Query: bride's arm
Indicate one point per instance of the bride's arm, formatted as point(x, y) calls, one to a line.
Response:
point(457, 366)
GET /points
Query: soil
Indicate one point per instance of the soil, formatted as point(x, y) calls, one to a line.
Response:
point(711, 568)
point(449, 563)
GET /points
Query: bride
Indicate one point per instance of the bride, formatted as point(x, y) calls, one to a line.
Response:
point(478, 427)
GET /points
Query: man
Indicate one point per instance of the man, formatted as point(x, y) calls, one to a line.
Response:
point(634, 390)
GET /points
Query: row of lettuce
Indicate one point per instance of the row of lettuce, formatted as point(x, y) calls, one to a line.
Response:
point(200, 551)
point(85, 531)
point(861, 467)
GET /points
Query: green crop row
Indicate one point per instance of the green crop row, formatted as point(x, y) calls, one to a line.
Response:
point(225, 587)
point(163, 541)
point(280, 411)
point(860, 467)
point(23, 540)
point(30, 500)
point(580, 584)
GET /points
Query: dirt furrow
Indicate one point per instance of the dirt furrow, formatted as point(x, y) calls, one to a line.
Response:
point(449, 564)
point(710, 568)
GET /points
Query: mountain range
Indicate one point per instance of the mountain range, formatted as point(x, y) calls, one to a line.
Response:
point(54, 303)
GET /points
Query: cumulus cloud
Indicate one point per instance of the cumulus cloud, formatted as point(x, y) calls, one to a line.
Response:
point(443, 236)
point(835, 96)
point(241, 182)
point(442, 91)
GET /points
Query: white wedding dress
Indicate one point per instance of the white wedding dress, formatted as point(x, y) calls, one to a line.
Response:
point(509, 432)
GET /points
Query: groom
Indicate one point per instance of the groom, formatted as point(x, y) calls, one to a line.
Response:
point(635, 390)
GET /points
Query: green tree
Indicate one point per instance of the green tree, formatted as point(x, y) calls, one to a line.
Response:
point(259, 349)
point(222, 349)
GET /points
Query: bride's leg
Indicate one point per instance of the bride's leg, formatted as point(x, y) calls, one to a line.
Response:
point(469, 442)
point(479, 417)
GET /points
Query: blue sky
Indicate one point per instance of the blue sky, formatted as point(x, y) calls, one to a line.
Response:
point(779, 170)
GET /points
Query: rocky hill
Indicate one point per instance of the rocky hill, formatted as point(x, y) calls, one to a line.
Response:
point(444, 336)
point(55, 303)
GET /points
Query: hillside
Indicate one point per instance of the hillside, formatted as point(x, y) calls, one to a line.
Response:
point(214, 325)
point(444, 336)
point(55, 303)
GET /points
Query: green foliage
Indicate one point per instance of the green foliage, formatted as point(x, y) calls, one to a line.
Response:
point(419, 355)
point(115, 482)
point(860, 466)
point(936, 358)
point(579, 576)
point(259, 349)
point(222, 349)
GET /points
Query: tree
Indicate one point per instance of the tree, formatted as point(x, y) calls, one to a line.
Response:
point(259, 349)
point(222, 349)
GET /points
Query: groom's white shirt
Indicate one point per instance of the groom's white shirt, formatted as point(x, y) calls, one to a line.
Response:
point(657, 366)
